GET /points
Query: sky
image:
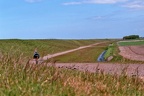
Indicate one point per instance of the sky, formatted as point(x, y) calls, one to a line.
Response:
point(71, 19)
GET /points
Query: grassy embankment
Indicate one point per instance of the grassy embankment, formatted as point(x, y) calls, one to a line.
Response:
point(109, 51)
point(88, 55)
point(25, 48)
point(22, 79)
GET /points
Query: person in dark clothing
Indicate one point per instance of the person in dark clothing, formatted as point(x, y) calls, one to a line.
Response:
point(36, 56)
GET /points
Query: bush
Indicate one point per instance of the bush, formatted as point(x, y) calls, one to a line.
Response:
point(131, 37)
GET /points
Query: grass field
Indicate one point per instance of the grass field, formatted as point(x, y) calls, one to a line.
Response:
point(131, 43)
point(18, 78)
point(83, 56)
point(26, 47)
point(40, 80)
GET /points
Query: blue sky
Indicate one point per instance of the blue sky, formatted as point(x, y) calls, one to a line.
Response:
point(70, 19)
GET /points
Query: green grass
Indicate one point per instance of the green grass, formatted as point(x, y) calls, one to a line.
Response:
point(131, 43)
point(26, 47)
point(88, 55)
point(19, 79)
point(109, 51)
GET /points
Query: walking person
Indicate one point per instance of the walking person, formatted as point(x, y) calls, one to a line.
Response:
point(36, 56)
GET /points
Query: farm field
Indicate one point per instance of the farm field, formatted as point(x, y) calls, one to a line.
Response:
point(133, 50)
point(131, 43)
point(19, 78)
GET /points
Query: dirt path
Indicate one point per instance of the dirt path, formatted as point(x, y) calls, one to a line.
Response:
point(72, 50)
point(129, 69)
point(62, 53)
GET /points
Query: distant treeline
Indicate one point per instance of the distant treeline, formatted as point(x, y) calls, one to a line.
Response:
point(131, 37)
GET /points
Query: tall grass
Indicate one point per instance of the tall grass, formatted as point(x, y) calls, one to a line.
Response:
point(23, 79)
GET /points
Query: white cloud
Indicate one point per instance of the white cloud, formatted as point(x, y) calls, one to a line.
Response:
point(104, 1)
point(72, 3)
point(33, 1)
point(133, 4)
point(95, 2)
point(136, 4)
